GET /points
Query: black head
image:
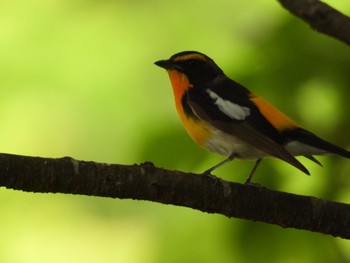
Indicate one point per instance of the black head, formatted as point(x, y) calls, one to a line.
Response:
point(198, 67)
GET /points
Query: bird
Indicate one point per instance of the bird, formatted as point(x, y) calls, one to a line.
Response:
point(226, 118)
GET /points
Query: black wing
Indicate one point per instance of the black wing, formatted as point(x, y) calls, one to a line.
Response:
point(254, 129)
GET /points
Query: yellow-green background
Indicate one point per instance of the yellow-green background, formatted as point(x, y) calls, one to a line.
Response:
point(77, 79)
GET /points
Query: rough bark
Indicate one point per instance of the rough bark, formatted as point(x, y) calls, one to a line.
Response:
point(201, 192)
point(321, 17)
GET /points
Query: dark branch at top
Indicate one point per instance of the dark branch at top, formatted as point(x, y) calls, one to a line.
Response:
point(321, 17)
point(147, 182)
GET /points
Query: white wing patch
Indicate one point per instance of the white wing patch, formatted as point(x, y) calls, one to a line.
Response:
point(231, 109)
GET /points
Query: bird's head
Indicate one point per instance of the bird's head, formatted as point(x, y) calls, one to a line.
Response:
point(197, 67)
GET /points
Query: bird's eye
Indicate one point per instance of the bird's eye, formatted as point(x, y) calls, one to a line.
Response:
point(192, 62)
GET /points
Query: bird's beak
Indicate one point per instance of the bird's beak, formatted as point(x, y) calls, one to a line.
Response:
point(167, 64)
point(164, 64)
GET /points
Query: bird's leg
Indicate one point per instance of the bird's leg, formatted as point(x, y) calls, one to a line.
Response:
point(253, 171)
point(228, 159)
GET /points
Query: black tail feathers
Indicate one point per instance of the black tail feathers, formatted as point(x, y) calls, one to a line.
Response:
point(311, 139)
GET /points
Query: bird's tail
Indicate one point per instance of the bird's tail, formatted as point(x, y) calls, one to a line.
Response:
point(320, 146)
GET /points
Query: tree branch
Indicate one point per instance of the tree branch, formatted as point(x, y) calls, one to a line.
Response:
point(321, 17)
point(201, 192)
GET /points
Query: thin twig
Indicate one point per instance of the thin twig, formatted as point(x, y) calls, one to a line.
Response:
point(321, 17)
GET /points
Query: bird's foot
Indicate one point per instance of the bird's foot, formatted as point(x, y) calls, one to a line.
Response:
point(213, 177)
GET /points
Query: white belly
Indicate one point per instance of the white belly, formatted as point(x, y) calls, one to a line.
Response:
point(225, 144)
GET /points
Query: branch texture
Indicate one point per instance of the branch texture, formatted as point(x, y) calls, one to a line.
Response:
point(321, 17)
point(147, 182)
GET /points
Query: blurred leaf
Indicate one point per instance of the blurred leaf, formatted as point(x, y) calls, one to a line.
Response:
point(77, 79)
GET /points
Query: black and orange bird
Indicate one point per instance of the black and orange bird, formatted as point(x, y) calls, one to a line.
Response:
point(224, 117)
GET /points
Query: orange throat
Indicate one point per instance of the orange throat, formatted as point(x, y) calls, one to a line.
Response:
point(198, 130)
point(180, 84)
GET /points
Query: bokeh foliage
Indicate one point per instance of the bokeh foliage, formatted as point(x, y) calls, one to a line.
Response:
point(77, 79)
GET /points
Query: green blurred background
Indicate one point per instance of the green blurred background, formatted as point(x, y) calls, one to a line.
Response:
point(77, 79)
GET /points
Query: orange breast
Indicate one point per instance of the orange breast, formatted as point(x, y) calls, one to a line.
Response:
point(198, 130)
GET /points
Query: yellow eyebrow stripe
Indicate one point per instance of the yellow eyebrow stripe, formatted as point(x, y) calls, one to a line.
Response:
point(190, 56)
